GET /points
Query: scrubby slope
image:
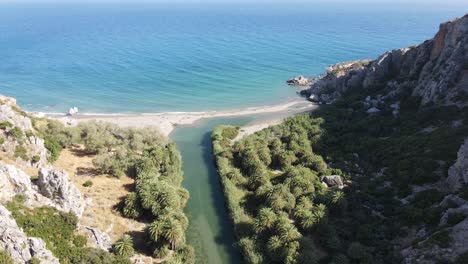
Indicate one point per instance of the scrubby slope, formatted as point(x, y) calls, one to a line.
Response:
point(395, 130)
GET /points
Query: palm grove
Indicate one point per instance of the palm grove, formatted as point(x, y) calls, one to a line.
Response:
point(283, 213)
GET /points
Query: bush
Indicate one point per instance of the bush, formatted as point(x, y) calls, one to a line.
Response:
point(5, 258)
point(88, 183)
point(16, 133)
point(35, 159)
point(57, 229)
point(54, 148)
point(230, 132)
point(21, 152)
point(34, 261)
point(5, 124)
point(79, 241)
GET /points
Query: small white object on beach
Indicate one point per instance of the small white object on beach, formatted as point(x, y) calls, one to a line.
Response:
point(37, 114)
point(73, 111)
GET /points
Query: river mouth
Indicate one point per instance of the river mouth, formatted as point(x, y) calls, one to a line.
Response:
point(210, 230)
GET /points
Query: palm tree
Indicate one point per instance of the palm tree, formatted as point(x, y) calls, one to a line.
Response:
point(307, 220)
point(265, 220)
point(274, 246)
point(173, 233)
point(155, 229)
point(124, 246)
point(289, 233)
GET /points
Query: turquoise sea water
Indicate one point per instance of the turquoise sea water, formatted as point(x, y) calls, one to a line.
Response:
point(153, 58)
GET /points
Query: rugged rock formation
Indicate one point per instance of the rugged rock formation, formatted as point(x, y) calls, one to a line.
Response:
point(13, 118)
point(55, 185)
point(333, 181)
point(99, 239)
point(458, 173)
point(436, 70)
point(15, 182)
point(18, 245)
point(299, 81)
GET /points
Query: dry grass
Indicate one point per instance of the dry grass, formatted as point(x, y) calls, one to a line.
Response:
point(29, 170)
point(106, 193)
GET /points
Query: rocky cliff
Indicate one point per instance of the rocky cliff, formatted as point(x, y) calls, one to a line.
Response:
point(23, 155)
point(436, 70)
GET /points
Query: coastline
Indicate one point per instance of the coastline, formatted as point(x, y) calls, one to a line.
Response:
point(166, 122)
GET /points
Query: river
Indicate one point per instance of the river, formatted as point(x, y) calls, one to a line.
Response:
point(210, 230)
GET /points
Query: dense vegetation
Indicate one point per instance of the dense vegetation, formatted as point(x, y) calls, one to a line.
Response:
point(283, 214)
point(57, 229)
point(273, 191)
point(155, 164)
point(5, 258)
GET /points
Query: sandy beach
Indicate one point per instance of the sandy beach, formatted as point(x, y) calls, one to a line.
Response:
point(166, 122)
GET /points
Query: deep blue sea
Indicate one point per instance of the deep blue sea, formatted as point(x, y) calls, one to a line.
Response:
point(112, 58)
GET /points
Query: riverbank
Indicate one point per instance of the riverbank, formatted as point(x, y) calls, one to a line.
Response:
point(166, 122)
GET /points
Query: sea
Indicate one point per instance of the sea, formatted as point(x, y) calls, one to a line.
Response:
point(113, 58)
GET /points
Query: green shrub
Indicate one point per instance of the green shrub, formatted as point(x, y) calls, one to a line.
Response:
point(16, 133)
point(19, 198)
point(35, 159)
point(34, 261)
point(5, 258)
point(2, 140)
point(79, 241)
point(54, 147)
point(5, 124)
point(230, 132)
point(21, 152)
point(88, 183)
point(57, 229)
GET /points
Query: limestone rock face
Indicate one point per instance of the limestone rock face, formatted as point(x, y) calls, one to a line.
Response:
point(15, 242)
point(458, 172)
point(14, 181)
point(55, 185)
point(12, 114)
point(436, 70)
point(99, 238)
point(333, 181)
point(37, 247)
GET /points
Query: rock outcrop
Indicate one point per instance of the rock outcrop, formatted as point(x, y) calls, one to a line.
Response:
point(17, 131)
point(458, 172)
point(298, 81)
point(436, 70)
point(99, 238)
point(333, 181)
point(21, 248)
point(55, 185)
point(15, 182)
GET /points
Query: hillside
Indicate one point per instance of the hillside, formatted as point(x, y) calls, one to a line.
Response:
point(378, 174)
point(94, 193)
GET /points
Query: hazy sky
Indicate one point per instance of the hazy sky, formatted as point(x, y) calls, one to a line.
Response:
point(373, 2)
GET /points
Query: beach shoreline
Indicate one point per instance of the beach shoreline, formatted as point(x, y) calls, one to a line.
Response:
point(167, 121)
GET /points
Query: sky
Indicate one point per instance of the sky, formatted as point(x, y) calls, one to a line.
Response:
point(373, 2)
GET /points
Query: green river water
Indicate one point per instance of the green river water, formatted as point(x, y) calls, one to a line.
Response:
point(210, 231)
